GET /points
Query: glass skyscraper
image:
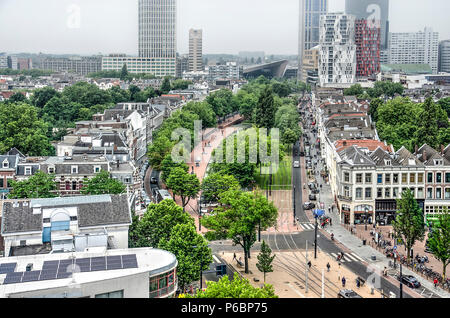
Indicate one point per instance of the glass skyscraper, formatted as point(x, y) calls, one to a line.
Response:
point(310, 12)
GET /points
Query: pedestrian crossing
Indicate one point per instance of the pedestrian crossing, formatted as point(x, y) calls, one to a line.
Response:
point(307, 226)
point(348, 257)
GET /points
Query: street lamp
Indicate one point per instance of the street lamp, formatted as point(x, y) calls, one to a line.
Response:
point(367, 216)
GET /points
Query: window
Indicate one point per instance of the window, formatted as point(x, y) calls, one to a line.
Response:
point(412, 178)
point(368, 178)
point(447, 177)
point(51, 170)
point(379, 178)
point(438, 177)
point(97, 169)
point(447, 193)
point(368, 193)
point(346, 177)
point(379, 193)
point(420, 193)
point(1, 183)
point(404, 178)
point(387, 178)
point(359, 178)
point(27, 171)
point(5, 164)
point(74, 185)
point(430, 177)
point(74, 169)
point(73, 218)
point(420, 177)
point(430, 193)
point(395, 178)
point(46, 220)
point(347, 191)
point(438, 193)
point(114, 294)
point(395, 192)
point(387, 193)
point(359, 193)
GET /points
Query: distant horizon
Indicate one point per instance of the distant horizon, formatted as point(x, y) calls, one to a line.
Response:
point(49, 26)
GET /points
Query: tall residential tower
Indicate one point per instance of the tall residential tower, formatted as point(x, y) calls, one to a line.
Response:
point(310, 12)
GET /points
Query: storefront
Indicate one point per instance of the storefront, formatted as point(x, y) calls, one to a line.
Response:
point(363, 213)
point(385, 211)
point(345, 214)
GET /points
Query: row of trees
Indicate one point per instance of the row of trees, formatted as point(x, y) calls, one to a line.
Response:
point(380, 89)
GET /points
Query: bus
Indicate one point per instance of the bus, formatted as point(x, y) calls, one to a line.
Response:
point(162, 195)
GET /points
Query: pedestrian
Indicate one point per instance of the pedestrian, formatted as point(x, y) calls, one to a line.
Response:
point(331, 222)
point(435, 283)
point(358, 283)
point(342, 253)
point(234, 256)
point(328, 266)
point(343, 281)
point(309, 264)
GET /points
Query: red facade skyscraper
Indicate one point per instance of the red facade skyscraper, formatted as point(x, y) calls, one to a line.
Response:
point(367, 38)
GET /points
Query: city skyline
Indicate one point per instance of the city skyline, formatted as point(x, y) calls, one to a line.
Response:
point(84, 33)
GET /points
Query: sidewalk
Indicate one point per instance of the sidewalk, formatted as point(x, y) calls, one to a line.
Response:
point(354, 244)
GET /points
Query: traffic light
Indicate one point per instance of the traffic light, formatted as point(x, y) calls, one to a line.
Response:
point(221, 270)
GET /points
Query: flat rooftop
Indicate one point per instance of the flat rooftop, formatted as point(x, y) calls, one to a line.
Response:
point(79, 268)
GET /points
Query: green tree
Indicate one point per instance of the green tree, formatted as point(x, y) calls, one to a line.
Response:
point(281, 89)
point(265, 259)
point(439, 242)
point(221, 102)
point(41, 96)
point(134, 236)
point(191, 250)
point(124, 72)
point(17, 98)
point(40, 185)
point(204, 112)
point(409, 224)
point(236, 288)
point(354, 90)
point(431, 118)
point(158, 150)
point(119, 95)
point(373, 109)
point(21, 128)
point(266, 109)
point(215, 184)
point(183, 184)
point(165, 86)
point(102, 183)
point(180, 84)
point(167, 165)
point(445, 104)
point(158, 222)
point(238, 218)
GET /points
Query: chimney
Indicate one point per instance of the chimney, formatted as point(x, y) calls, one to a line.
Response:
point(416, 150)
point(424, 155)
point(442, 149)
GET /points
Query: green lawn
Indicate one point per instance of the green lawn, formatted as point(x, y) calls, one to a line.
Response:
point(282, 180)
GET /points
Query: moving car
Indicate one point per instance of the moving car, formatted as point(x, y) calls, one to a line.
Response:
point(409, 281)
point(348, 293)
point(153, 180)
point(296, 164)
point(309, 206)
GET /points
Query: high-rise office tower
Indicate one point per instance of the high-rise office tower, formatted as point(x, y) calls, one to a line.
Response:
point(157, 34)
point(310, 12)
point(195, 50)
point(376, 12)
point(337, 49)
point(415, 48)
point(444, 56)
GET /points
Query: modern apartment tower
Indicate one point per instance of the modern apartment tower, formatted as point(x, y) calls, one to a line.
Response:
point(157, 34)
point(337, 53)
point(310, 12)
point(415, 48)
point(376, 12)
point(195, 50)
point(444, 56)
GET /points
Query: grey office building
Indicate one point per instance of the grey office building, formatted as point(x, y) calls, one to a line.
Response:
point(195, 50)
point(310, 12)
point(444, 56)
point(77, 65)
point(157, 34)
point(372, 10)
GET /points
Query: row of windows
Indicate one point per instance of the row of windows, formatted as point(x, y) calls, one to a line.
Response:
point(394, 178)
point(162, 285)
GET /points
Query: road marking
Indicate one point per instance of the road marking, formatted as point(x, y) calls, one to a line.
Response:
point(352, 257)
point(216, 259)
point(296, 291)
point(357, 257)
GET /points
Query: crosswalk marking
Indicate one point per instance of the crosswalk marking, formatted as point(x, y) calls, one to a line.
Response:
point(351, 257)
point(357, 257)
point(348, 258)
point(216, 259)
point(307, 226)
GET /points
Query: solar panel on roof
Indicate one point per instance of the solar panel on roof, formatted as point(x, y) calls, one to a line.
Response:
point(47, 275)
point(129, 257)
point(130, 265)
point(7, 268)
point(114, 266)
point(31, 276)
point(63, 275)
point(13, 278)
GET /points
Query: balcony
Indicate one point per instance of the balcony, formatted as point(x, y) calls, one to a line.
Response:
point(344, 198)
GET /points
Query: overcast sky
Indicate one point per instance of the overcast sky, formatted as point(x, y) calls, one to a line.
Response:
point(229, 26)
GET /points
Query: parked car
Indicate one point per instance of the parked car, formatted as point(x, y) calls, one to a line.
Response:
point(409, 281)
point(153, 180)
point(309, 206)
point(312, 197)
point(296, 164)
point(348, 293)
point(302, 153)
